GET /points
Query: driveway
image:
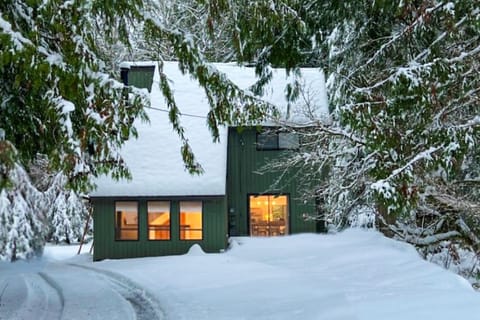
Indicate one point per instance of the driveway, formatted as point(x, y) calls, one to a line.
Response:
point(61, 290)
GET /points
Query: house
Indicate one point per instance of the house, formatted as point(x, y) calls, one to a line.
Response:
point(164, 210)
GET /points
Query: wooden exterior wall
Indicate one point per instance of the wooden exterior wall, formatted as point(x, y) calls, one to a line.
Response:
point(106, 247)
point(244, 162)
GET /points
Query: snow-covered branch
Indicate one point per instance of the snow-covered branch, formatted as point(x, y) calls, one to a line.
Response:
point(429, 240)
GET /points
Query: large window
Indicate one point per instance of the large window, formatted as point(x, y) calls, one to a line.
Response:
point(271, 140)
point(268, 215)
point(158, 220)
point(126, 220)
point(191, 225)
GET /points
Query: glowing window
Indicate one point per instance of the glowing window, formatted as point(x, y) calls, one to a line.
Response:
point(158, 220)
point(191, 226)
point(268, 215)
point(126, 220)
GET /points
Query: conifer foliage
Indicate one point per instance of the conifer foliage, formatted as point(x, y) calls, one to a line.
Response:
point(56, 97)
point(22, 219)
point(29, 218)
point(67, 215)
point(402, 141)
point(60, 100)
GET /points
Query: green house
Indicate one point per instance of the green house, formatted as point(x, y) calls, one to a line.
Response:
point(163, 210)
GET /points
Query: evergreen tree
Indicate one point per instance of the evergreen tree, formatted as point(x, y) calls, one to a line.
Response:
point(403, 88)
point(59, 98)
point(403, 81)
point(22, 231)
point(402, 138)
point(67, 218)
point(5, 209)
point(56, 97)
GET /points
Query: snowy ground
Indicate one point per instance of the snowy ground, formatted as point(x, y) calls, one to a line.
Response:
point(352, 275)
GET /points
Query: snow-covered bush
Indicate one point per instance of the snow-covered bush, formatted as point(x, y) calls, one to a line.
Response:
point(22, 218)
point(362, 217)
point(459, 259)
point(67, 218)
point(29, 217)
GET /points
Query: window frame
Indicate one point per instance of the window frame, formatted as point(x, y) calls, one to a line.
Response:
point(180, 223)
point(263, 147)
point(286, 135)
point(117, 230)
point(170, 218)
point(288, 219)
point(276, 134)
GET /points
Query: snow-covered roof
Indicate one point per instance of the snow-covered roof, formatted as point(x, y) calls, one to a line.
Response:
point(154, 158)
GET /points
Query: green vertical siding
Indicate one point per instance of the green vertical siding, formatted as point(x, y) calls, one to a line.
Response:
point(243, 164)
point(214, 230)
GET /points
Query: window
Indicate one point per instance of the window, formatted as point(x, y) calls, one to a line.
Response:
point(191, 226)
point(288, 140)
point(268, 215)
point(158, 220)
point(126, 220)
point(267, 141)
point(270, 140)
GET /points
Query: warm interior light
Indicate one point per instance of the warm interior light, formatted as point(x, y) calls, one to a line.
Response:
point(159, 220)
point(126, 220)
point(268, 215)
point(191, 220)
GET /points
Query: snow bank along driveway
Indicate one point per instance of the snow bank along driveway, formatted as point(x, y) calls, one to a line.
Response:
point(354, 275)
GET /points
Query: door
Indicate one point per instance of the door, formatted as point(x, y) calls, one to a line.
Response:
point(268, 215)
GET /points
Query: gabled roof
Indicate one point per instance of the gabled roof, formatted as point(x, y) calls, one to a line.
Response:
point(154, 158)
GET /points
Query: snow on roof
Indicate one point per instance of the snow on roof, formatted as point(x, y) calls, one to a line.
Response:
point(154, 158)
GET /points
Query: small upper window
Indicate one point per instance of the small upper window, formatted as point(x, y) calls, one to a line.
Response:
point(126, 220)
point(288, 140)
point(158, 220)
point(269, 140)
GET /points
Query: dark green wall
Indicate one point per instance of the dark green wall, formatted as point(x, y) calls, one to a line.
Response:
point(243, 162)
point(105, 246)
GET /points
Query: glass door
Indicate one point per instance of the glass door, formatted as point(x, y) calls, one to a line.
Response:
point(268, 215)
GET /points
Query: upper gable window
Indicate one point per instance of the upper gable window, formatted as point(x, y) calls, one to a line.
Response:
point(270, 140)
point(267, 141)
point(288, 140)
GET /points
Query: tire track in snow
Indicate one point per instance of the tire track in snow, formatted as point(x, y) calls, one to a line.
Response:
point(14, 295)
point(58, 291)
point(144, 304)
point(30, 296)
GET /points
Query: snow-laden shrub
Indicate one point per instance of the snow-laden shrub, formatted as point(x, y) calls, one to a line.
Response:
point(29, 218)
point(67, 218)
point(22, 220)
point(459, 259)
point(362, 217)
